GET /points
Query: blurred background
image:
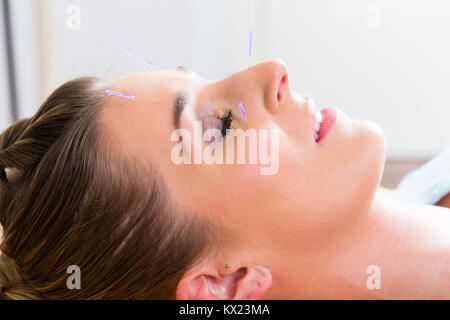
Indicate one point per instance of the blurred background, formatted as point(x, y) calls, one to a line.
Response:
point(387, 61)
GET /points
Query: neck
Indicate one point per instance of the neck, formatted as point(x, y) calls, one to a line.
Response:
point(396, 251)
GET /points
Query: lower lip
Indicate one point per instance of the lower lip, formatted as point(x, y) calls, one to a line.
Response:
point(329, 120)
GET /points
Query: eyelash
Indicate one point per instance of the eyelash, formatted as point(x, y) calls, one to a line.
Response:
point(226, 122)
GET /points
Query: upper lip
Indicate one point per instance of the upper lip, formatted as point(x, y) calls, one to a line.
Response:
point(312, 111)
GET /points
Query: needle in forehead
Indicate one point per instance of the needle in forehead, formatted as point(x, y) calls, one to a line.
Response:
point(120, 94)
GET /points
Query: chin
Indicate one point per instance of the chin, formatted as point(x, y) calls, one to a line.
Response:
point(374, 138)
point(365, 161)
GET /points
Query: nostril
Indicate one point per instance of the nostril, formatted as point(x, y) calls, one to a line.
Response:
point(282, 84)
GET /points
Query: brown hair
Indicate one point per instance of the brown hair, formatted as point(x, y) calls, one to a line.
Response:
point(68, 198)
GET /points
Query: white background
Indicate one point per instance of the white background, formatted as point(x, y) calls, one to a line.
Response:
point(5, 113)
point(386, 61)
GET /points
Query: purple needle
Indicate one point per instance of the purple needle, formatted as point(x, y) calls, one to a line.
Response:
point(120, 94)
point(242, 110)
point(134, 54)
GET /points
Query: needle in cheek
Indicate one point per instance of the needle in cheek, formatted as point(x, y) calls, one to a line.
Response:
point(241, 107)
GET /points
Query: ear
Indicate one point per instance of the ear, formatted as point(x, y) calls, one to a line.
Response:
point(207, 281)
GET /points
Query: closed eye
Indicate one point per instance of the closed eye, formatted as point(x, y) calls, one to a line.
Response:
point(226, 123)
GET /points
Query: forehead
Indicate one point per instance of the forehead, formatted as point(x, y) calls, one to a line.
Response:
point(142, 126)
point(145, 85)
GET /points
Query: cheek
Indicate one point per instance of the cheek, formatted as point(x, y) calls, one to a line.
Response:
point(238, 200)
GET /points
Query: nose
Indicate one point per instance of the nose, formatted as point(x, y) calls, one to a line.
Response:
point(275, 84)
point(265, 85)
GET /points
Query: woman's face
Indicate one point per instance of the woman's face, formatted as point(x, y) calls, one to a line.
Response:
point(312, 193)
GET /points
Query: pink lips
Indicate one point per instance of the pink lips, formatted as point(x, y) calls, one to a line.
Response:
point(329, 120)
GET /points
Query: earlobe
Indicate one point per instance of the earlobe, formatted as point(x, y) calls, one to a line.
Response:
point(240, 283)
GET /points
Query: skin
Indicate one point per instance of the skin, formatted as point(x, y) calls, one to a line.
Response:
point(308, 231)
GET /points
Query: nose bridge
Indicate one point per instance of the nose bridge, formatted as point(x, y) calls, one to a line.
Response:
point(263, 85)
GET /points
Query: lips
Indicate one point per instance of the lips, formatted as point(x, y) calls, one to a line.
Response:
point(329, 120)
point(321, 127)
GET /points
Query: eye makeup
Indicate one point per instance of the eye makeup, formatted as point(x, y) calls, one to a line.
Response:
point(215, 119)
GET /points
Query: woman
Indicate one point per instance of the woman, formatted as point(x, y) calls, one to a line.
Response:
point(89, 181)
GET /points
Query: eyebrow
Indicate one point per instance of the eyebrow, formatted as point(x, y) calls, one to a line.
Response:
point(180, 103)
